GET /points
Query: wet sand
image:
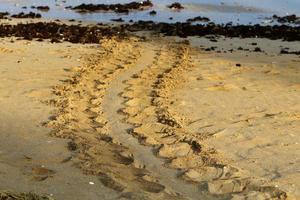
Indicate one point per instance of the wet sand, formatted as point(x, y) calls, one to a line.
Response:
point(148, 119)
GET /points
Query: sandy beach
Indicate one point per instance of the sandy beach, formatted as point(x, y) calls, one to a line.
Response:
point(141, 116)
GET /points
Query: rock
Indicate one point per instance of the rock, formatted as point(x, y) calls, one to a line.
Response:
point(118, 8)
point(257, 49)
point(198, 19)
point(176, 6)
point(29, 15)
point(117, 20)
point(153, 12)
point(43, 8)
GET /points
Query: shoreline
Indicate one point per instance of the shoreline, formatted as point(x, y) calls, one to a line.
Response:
point(61, 31)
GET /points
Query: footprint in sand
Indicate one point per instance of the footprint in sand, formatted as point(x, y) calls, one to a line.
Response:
point(5, 50)
point(39, 172)
point(40, 93)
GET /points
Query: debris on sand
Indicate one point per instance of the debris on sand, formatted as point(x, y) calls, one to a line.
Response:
point(6, 195)
point(176, 6)
point(118, 8)
point(29, 15)
point(287, 33)
point(198, 19)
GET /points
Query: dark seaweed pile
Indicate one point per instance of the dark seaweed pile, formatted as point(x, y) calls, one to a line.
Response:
point(43, 8)
point(198, 19)
point(118, 8)
point(29, 15)
point(184, 30)
point(59, 32)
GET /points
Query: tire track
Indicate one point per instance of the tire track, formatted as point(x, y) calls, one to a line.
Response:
point(142, 154)
point(80, 118)
point(156, 123)
point(135, 79)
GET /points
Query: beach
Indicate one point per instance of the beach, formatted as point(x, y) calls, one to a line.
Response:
point(148, 111)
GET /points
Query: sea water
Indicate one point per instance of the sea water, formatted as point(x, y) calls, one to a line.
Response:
point(219, 11)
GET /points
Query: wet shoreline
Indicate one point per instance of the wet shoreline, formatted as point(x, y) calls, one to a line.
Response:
point(219, 12)
point(76, 33)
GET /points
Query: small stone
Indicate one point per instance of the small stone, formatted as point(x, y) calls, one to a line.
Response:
point(153, 12)
point(257, 49)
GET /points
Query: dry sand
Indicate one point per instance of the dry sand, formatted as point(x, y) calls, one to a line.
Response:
point(249, 114)
point(147, 120)
point(30, 160)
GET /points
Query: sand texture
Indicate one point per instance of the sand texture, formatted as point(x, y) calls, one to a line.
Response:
point(147, 119)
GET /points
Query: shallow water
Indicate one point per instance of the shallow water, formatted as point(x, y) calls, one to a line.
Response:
point(236, 11)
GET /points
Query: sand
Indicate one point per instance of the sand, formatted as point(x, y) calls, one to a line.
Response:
point(248, 114)
point(30, 160)
point(154, 119)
